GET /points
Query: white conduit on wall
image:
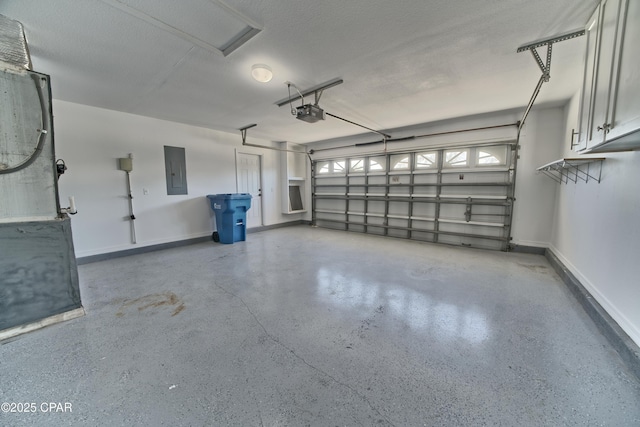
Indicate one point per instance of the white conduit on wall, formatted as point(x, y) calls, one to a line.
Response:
point(126, 165)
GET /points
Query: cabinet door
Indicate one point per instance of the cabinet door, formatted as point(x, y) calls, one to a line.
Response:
point(609, 14)
point(586, 99)
point(624, 114)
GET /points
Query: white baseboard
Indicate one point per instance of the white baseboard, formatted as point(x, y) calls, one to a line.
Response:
point(627, 326)
point(530, 243)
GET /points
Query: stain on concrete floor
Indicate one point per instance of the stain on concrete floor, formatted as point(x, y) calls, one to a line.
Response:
point(535, 268)
point(152, 301)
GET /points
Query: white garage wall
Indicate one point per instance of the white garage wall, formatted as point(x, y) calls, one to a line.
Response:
point(597, 233)
point(90, 140)
point(535, 193)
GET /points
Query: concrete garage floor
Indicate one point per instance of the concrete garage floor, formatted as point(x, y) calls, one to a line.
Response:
point(302, 326)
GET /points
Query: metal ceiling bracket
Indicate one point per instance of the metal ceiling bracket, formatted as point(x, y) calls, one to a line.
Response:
point(545, 67)
point(554, 39)
point(317, 90)
point(243, 132)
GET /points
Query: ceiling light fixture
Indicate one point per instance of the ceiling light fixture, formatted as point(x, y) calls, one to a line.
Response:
point(261, 73)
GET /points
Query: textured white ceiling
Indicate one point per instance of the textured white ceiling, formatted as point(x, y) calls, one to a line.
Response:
point(403, 62)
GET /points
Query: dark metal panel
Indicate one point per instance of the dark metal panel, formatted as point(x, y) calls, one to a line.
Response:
point(176, 170)
point(28, 184)
point(38, 272)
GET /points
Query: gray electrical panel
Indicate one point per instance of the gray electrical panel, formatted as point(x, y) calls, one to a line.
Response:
point(175, 169)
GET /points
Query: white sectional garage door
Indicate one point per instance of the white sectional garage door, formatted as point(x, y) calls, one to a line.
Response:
point(460, 196)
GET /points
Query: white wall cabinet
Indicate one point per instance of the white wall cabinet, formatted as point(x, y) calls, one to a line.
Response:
point(624, 113)
point(610, 103)
point(591, 34)
point(294, 178)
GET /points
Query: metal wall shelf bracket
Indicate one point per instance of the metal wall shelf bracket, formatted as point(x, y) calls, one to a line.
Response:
point(572, 169)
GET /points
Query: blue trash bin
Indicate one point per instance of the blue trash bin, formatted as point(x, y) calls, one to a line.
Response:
point(231, 215)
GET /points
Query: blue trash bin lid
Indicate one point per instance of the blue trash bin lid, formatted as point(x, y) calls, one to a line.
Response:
point(235, 196)
point(229, 196)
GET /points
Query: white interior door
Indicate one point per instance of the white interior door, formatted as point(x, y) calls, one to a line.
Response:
point(249, 181)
